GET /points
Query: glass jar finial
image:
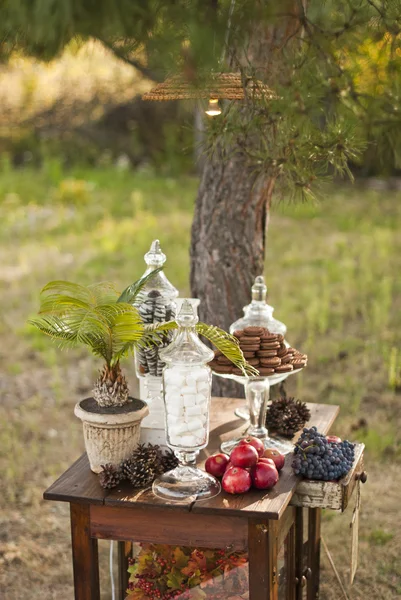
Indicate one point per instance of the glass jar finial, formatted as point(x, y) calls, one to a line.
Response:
point(155, 257)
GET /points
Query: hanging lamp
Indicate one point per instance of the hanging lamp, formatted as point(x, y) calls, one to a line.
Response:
point(222, 86)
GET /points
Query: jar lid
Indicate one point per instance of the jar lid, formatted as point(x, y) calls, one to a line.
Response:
point(187, 348)
point(155, 258)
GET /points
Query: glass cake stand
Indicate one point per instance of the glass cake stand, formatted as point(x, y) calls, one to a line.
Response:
point(257, 392)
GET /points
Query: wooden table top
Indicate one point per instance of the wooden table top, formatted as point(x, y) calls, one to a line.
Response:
point(78, 484)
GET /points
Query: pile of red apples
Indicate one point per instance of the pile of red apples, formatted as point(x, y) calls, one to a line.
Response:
point(248, 466)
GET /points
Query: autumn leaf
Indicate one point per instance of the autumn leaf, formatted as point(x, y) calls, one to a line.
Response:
point(181, 559)
point(175, 579)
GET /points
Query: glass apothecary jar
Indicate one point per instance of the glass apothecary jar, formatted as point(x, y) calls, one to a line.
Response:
point(156, 304)
point(258, 312)
point(187, 382)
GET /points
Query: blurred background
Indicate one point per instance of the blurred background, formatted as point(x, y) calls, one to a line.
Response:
point(89, 176)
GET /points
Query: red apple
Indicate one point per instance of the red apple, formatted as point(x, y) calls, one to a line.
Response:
point(264, 476)
point(255, 442)
point(244, 456)
point(276, 456)
point(268, 461)
point(333, 439)
point(217, 464)
point(236, 481)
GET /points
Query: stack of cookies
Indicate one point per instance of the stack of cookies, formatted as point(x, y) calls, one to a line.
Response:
point(265, 351)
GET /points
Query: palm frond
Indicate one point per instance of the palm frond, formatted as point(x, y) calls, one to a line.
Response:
point(131, 292)
point(67, 288)
point(152, 334)
point(58, 304)
point(227, 344)
point(59, 329)
point(104, 293)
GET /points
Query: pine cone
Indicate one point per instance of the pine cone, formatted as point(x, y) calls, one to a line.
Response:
point(110, 477)
point(111, 387)
point(286, 416)
point(150, 454)
point(139, 473)
point(169, 461)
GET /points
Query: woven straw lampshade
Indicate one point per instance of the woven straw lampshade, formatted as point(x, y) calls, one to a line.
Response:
point(224, 86)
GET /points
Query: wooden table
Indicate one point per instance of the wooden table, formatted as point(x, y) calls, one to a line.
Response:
point(258, 522)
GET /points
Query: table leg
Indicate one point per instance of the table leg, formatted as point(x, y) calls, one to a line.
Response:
point(124, 553)
point(299, 553)
point(314, 552)
point(290, 564)
point(262, 553)
point(84, 554)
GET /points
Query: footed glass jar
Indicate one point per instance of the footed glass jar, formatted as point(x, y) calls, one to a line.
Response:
point(187, 384)
point(258, 312)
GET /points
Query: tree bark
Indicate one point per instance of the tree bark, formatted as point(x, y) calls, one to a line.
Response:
point(228, 242)
point(232, 209)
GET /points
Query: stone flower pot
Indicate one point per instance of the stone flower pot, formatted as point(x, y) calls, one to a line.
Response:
point(111, 434)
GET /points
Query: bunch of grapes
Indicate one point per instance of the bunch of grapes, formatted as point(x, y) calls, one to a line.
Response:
point(317, 458)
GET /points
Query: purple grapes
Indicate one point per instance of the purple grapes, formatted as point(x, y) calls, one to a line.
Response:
point(316, 458)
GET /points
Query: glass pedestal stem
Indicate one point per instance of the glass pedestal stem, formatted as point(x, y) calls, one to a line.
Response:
point(257, 394)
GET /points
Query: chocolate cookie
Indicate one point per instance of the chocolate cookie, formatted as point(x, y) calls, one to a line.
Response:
point(269, 345)
point(287, 359)
point(280, 338)
point(284, 368)
point(266, 353)
point(275, 361)
point(282, 351)
point(249, 354)
point(266, 371)
point(236, 371)
point(249, 347)
point(269, 337)
point(253, 361)
point(248, 339)
point(223, 360)
point(238, 333)
point(253, 331)
point(224, 369)
point(298, 363)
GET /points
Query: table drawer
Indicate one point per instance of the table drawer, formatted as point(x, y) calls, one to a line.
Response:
point(329, 494)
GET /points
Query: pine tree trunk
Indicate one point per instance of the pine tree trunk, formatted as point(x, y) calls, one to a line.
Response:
point(228, 242)
point(232, 212)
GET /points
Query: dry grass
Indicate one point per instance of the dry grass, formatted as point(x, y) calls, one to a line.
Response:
point(333, 274)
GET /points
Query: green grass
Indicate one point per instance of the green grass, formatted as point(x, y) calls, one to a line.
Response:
point(332, 271)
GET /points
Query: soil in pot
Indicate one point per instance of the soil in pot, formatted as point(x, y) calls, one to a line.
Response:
point(90, 405)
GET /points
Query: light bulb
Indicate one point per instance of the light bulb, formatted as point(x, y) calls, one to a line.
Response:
point(213, 108)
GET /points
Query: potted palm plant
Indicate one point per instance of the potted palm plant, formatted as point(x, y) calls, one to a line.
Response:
point(98, 317)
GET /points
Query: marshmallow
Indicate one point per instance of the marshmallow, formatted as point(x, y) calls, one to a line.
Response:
point(174, 409)
point(179, 428)
point(200, 374)
point(202, 386)
point(192, 410)
point(188, 390)
point(173, 378)
point(189, 399)
point(188, 441)
point(194, 424)
point(201, 399)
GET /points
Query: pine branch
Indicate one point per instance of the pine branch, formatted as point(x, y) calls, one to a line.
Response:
point(133, 62)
